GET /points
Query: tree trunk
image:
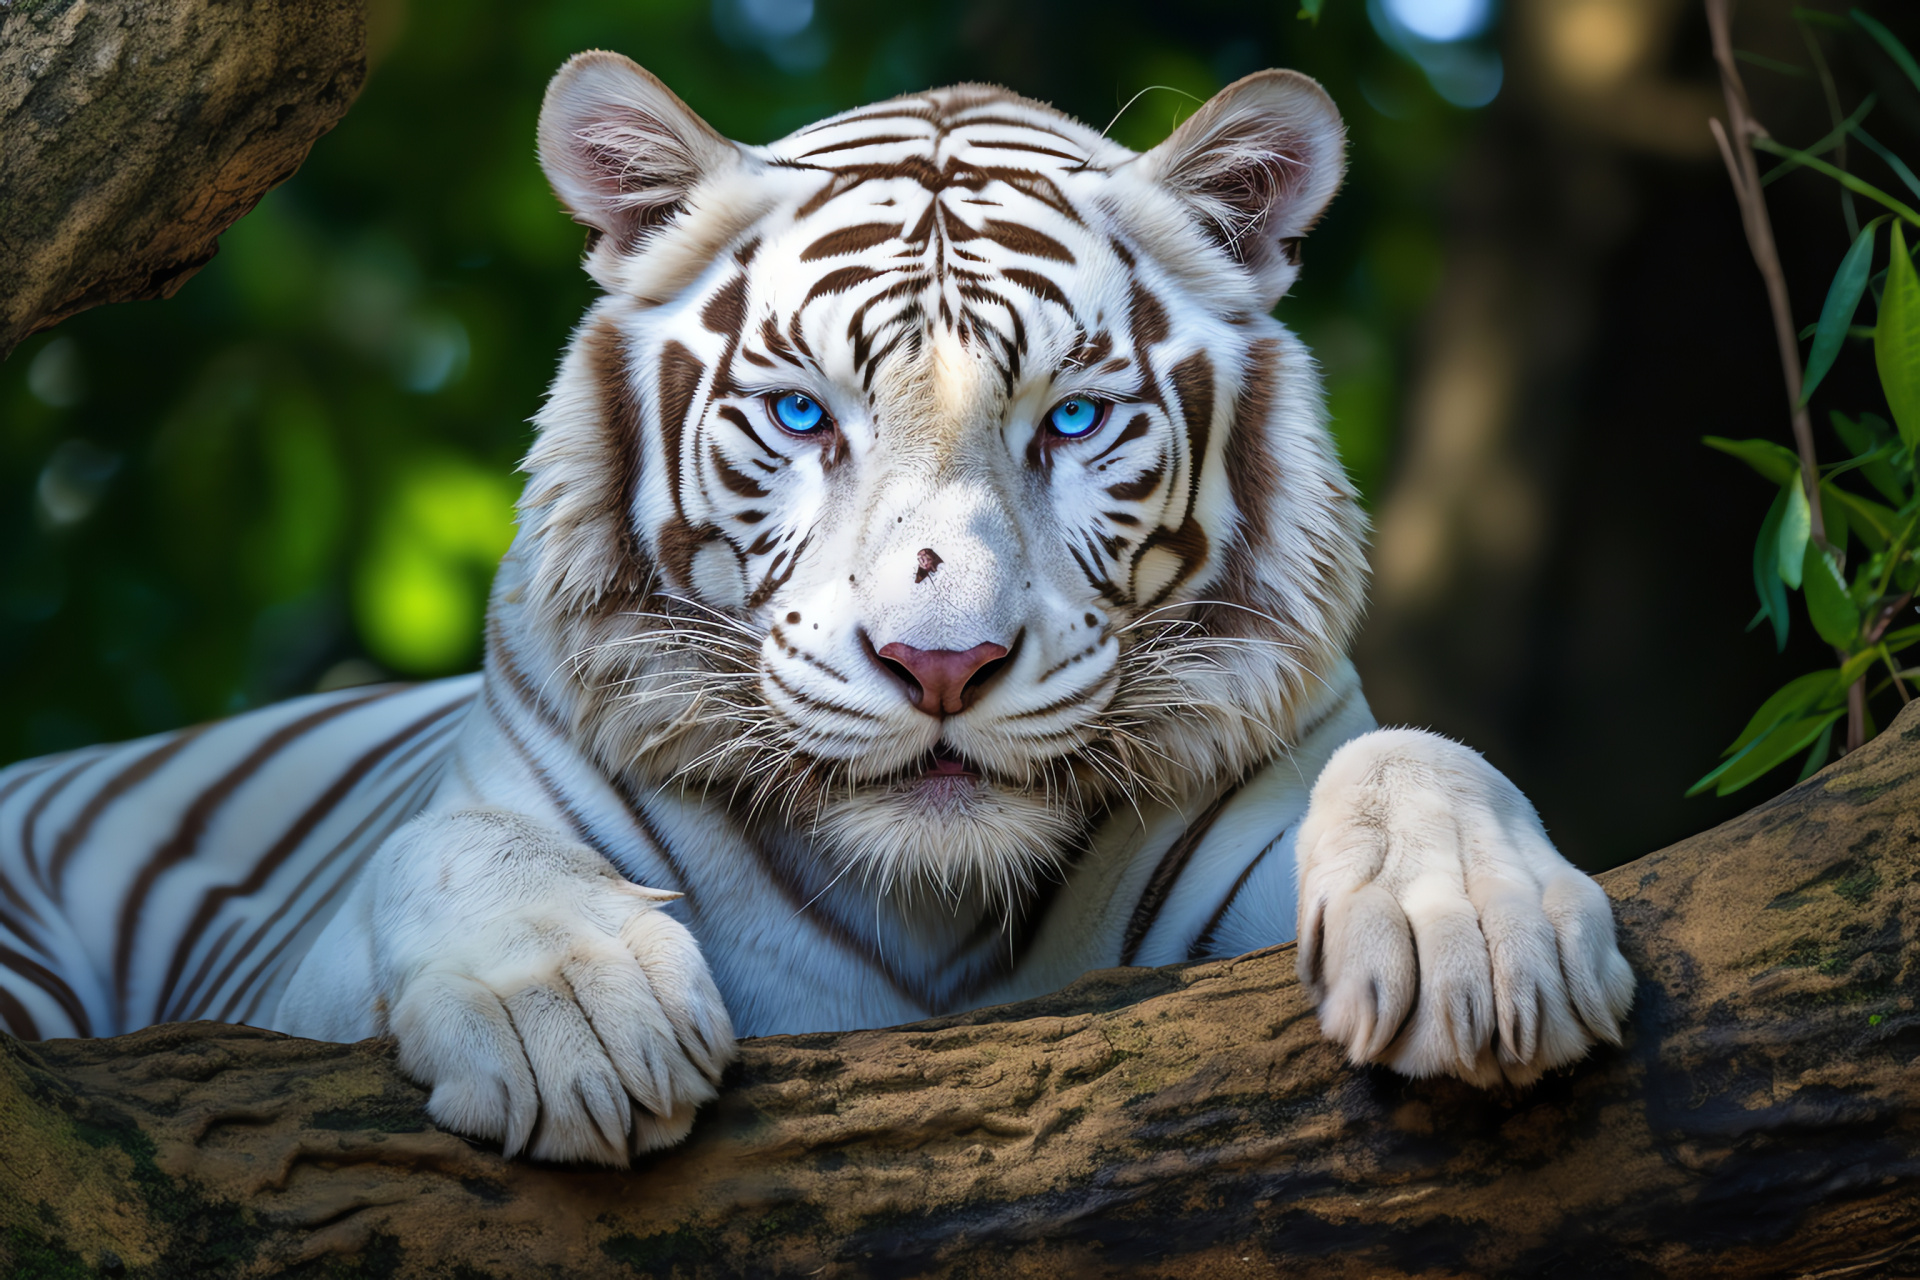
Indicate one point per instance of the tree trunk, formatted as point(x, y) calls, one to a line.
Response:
point(1762, 1119)
point(136, 131)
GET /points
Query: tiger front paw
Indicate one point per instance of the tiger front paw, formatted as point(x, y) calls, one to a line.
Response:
point(1440, 931)
point(550, 1003)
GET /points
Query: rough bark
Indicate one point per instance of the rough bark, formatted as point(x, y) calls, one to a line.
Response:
point(136, 131)
point(1763, 1119)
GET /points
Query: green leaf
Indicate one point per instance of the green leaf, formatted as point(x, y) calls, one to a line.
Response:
point(1843, 299)
point(1775, 749)
point(1766, 570)
point(1831, 609)
point(1893, 162)
point(1817, 756)
point(1788, 702)
point(1872, 523)
point(1856, 185)
point(1865, 443)
point(1833, 512)
point(1896, 342)
point(1310, 11)
point(1796, 527)
point(1775, 462)
point(1891, 43)
point(1850, 670)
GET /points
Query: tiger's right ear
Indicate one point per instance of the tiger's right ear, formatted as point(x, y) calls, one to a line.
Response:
point(621, 150)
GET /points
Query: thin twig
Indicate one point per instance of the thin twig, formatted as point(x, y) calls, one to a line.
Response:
point(1744, 172)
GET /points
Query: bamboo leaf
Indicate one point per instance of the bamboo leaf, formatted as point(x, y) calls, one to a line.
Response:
point(1843, 299)
point(1818, 756)
point(1796, 527)
point(1775, 462)
point(1828, 604)
point(1896, 342)
point(1891, 43)
point(1776, 749)
point(1854, 184)
point(1789, 702)
point(1766, 571)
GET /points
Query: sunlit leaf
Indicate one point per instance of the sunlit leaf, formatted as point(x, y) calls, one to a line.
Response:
point(1843, 299)
point(1766, 570)
point(1828, 604)
point(1896, 342)
point(1796, 526)
point(420, 593)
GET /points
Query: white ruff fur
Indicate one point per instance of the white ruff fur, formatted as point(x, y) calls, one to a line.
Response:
point(688, 681)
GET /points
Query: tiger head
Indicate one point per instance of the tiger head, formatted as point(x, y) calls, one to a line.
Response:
point(935, 479)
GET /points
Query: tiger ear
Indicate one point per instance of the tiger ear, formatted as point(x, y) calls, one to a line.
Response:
point(1257, 164)
point(620, 149)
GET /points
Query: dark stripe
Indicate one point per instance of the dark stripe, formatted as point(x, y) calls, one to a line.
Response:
point(290, 840)
point(193, 824)
point(1172, 863)
point(129, 777)
point(1253, 473)
point(30, 825)
point(1000, 144)
point(1134, 490)
point(620, 437)
point(15, 1018)
point(838, 281)
point(1135, 428)
point(1203, 944)
point(854, 144)
point(51, 983)
point(726, 311)
point(852, 239)
point(1038, 285)
point(408, 800)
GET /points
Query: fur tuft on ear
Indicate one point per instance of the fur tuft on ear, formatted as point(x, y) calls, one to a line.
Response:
point(621, 150)
point(1257, 165)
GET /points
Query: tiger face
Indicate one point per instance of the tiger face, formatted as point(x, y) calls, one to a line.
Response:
point(934, 479)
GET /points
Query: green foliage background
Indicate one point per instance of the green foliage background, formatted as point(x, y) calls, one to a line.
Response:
point(299, 470)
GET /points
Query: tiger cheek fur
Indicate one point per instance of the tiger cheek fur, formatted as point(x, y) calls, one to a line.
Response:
point(934, 580)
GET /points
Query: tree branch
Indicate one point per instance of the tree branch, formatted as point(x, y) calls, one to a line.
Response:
point(136, 132)
point(1762, 1119)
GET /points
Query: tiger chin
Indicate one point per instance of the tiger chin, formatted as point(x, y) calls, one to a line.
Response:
point(933, 581)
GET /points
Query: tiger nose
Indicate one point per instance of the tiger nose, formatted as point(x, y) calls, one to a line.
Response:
point(944, 682)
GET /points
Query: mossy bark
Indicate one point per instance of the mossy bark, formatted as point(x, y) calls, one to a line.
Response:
point(1763, 1119)
point(136, 131)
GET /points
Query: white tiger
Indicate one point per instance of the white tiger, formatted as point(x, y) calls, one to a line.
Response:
point(933, 581)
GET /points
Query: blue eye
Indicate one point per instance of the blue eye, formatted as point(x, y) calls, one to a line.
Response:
point(1076, 417)
point(799, 413)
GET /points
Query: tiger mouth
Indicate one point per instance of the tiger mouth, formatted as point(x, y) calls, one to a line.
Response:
point(945, 765)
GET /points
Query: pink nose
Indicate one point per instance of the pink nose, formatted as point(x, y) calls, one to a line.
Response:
point(943, 682)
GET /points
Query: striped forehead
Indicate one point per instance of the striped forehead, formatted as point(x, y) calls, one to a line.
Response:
point(926, 213)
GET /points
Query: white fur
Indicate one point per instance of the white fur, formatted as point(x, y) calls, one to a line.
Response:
point(721, 728)
point(1440, 931)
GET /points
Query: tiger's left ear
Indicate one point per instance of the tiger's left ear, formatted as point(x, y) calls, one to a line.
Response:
point(1257, 165)
point(622, 151)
